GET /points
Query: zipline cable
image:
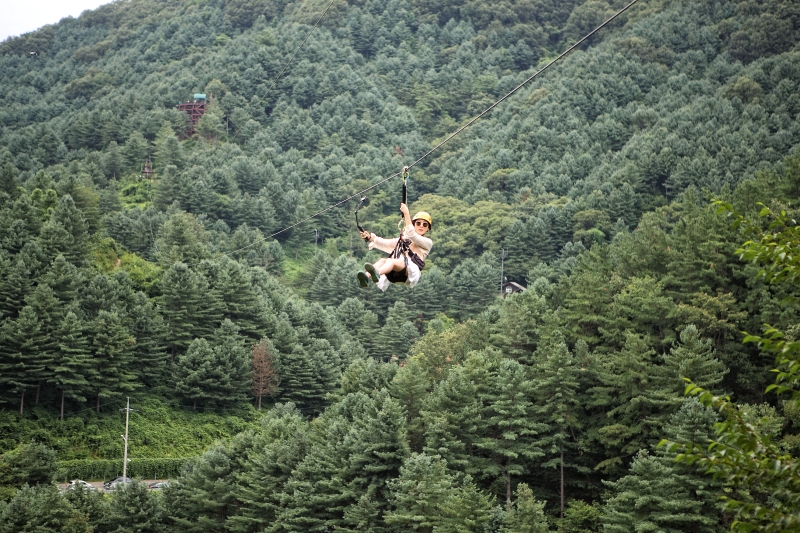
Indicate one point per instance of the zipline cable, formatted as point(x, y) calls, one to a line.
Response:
point(524, 83)
point(458, 131)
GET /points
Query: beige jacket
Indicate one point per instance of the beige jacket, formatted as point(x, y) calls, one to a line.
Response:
point(420, 244)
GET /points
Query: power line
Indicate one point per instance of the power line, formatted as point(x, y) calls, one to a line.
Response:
point(452, 135)
point(92, 408)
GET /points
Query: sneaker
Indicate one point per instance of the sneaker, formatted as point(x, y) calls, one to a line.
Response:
point(373, 274)
point(362, 279)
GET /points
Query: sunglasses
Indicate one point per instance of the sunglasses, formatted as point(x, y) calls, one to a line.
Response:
point(422, 224)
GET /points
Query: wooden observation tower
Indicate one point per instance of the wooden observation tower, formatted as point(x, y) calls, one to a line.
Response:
point(147, 170)
point(195, 108)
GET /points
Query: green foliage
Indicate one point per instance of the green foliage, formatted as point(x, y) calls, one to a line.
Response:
point(138, 467)
point(593, 180)
point(743, 454)
point(41, 508)
point(157, 431)
point(135, 508)
point(527, 514)
point(29, 464)
point(651, 496)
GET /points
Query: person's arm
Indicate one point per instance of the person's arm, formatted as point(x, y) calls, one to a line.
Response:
point(423, 244)
point(384, 245)
point(406, 214)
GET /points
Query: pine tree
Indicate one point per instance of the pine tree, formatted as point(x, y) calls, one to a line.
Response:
point(410, 387)
point(542, 244)
point(135, 151)
point(396, 337)
point(527, 514)
point(193, 372)
point(622, 205)
point(516, 332)
point(65, 280)
point(280, 446)
point(309, 367)
point(187, 308)
point(359, 322)
point(67, 233)
point(49, 313)
point(474, 284)
point(167, 187)
point(467, 509)
point(451, 415)
point(632, 398)
point(20, 367)
point(28, 464)
point(168, 149)
point(693, 358)
point(363, 517)
point(41, 508)
point(324, 360)
point(231, 284)
point(430, 295)
point(111, 348)
point(210, 125)
point(694, 423)
point(379, 447)
point(230, 370)
point(418, 494)
point(112, 293)
point(556, 380)
point(181, 238)
point(314, 497)
point(8, 183)
point(92, 505)
point(25, 219)
point(15, 285)
point(265, 371)
point(587, 298)
point(248, 176)
point(508, 430)
point(149, 331)
point(518, 250)
point(136, 509)
point(654, 497)
point(72, 364)
point(109, 200)
point(204, 498)
point(113, 162)
point(360, 447)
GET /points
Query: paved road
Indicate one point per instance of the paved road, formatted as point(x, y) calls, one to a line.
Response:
point(99, 484)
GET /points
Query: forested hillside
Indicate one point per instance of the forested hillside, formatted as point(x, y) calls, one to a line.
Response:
point(301, 402)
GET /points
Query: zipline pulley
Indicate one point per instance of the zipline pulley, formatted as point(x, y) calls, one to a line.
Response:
point(360, 228)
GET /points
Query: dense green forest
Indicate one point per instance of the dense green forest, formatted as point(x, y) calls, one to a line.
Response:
point(281, 397)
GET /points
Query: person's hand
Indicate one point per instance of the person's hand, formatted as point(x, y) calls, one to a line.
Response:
point(404, 209)
point(367, 236)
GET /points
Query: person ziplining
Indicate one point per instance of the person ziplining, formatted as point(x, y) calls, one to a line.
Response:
point(407, 252)
point(408, 242)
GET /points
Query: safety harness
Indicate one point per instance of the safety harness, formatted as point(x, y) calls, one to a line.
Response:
point(403, 246)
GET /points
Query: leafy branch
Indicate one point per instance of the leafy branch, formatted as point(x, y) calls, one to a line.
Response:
point(741, 455)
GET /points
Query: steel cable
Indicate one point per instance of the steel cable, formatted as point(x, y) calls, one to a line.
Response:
point(451, 136)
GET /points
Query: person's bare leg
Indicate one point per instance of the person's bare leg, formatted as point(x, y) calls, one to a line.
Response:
point(372, 270)
point(377, 264)
point(390, 264)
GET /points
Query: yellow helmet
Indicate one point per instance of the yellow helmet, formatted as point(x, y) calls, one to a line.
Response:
point(424, 216)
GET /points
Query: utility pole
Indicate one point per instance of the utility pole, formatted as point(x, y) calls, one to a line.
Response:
point(316, 236)
point(502, 266)
point(125, 438)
